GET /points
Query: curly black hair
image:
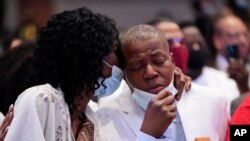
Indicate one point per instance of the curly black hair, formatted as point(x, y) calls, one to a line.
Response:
point(71, 48)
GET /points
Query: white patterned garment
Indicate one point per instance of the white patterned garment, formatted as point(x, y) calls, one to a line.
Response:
point(41, 114)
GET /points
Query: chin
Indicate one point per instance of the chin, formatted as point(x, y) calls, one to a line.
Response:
point(155, 90)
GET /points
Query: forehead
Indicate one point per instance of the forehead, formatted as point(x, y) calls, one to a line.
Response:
point(152, 47)
point(170, 30)
point(231, 24)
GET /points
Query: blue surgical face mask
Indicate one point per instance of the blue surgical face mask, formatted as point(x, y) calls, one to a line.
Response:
point(112, 83)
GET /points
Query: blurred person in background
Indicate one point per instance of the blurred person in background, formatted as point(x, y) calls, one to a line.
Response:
point(204, 11)
point(231, 41)
point(16, 67)
point(197, 69)
point(241, 9)
point(229, 30)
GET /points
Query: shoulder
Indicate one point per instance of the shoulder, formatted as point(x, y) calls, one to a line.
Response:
point(123, 93)
point(37, 95)
point(205, 93)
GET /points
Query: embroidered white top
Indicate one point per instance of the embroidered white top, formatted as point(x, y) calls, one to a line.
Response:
point(41, 114)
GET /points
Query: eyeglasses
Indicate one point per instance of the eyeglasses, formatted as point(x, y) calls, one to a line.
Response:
point(176, 42)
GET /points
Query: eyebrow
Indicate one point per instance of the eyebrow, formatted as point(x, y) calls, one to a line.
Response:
point(137, 58)
point(156, 52)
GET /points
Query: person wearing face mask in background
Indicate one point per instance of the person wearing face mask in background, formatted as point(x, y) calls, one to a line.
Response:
point(197, 69)
point(149, 110)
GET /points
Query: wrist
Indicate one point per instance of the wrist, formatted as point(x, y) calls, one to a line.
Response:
point(150, 131)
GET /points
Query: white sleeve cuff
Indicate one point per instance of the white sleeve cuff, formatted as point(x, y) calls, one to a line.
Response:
point(145, 137)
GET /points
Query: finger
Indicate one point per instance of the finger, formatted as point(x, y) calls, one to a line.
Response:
point(8, 118)
point(172, 108)
point(181, 85)
point(168, 100)
point(3, 134)
point(188, 81)
point(11, 109)
point(172, 115)
point(177, 75)
point(162, 94)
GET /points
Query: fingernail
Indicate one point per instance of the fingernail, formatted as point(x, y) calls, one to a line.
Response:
point(11, 106)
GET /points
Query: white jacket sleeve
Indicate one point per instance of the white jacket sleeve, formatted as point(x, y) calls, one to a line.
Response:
point(26, 124)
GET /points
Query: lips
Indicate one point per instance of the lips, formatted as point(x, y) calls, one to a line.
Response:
point(155, 90)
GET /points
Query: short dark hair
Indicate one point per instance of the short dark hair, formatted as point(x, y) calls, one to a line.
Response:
point(71, 48)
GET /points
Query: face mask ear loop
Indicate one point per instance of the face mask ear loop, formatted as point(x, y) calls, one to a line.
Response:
point(126, 78)
point(106, 63)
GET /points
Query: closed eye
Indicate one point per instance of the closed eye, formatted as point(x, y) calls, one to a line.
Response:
point(135, 68)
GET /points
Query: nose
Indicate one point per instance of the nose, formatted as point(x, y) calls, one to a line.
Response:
point(150, 72)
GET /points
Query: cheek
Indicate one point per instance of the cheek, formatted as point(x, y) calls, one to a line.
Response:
point(166, 73)
point(106, 71)
point(135, 79)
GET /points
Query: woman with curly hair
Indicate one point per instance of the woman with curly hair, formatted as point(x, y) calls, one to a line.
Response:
point(75, 55)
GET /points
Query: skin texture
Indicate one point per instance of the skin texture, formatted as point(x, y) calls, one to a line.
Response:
point(149, 67)
point(111, 59)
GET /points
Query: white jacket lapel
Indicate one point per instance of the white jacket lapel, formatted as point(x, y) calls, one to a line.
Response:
point(189, 109)
point(131, 113)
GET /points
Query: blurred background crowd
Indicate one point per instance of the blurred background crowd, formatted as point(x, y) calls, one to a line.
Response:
point(22, 19)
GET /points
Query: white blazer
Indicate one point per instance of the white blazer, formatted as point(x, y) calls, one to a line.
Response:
point(220, 80)
point(202, 112)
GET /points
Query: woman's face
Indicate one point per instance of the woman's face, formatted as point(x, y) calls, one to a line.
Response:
point(111, 59)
